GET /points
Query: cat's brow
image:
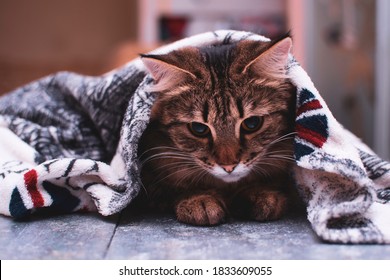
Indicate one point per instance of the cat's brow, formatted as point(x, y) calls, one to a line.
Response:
point(205, 111)
point(239, 107)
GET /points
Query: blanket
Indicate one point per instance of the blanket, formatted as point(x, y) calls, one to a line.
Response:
point(69, 143)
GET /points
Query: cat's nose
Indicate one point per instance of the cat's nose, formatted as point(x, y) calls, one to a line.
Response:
point(229, 168)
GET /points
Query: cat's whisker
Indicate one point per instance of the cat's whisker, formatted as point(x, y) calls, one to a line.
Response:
point(284, 137)
point(176, 172)
point(190, 174)
point(160, 148)
point(168, 153)
point(165, 155)
point(184, 168)
point(277, 166)
point(257, 169)
point(278, 152)
point(196, 179)
point(174, 165)
point(268, 153)
point(165, 149)
point(144, 188)
point(169, 171)
point(288, 158)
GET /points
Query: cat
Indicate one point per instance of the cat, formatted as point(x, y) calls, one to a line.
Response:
point(220, 138)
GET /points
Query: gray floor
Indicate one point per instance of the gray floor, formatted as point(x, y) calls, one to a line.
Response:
point(147, 236)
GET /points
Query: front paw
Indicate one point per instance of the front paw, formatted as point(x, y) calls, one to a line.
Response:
point(201, 210)
point(260, 205)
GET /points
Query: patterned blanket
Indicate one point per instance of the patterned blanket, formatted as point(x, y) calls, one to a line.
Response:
point(68, 143)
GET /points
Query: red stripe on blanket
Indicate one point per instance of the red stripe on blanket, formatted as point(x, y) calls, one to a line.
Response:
point(30, 181)
point(311, 136)
point(312, 105)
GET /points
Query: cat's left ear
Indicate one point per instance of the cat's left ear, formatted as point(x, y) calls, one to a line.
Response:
point(272, 62)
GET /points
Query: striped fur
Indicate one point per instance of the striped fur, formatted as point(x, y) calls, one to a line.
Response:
point(220, 87)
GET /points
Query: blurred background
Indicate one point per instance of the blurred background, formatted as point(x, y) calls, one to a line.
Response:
point(344, 45)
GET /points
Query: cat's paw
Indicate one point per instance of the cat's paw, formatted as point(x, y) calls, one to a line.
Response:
point(201, 210)
point(269, 206)
point(260, 205)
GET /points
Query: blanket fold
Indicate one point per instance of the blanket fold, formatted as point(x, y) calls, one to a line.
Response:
point(69, 143)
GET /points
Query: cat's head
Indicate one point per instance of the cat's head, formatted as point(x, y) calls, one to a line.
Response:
point(228, 107)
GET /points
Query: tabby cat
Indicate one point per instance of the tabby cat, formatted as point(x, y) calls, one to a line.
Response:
point(220, 138)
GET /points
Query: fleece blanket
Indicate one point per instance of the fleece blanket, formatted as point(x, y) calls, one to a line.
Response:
point(69, 142)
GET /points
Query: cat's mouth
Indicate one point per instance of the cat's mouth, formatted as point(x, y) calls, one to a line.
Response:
point(230, 176)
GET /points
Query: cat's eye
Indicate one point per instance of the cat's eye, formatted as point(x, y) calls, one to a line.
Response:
point(199, 129)
point(251, 124)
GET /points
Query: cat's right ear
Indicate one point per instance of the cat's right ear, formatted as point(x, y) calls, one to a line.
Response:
point(166, 73)
point(271, 62)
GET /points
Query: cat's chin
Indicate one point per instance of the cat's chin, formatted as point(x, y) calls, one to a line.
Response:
point(240, 172)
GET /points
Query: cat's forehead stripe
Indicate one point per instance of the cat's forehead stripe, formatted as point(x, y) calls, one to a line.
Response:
point(222, 106)
point(205, 112)
point(240, 107)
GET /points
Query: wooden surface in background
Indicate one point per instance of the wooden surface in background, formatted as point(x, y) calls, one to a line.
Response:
point(13, 75)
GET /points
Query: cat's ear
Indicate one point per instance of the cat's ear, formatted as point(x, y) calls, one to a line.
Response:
point(166, 71)
point(271, 62)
